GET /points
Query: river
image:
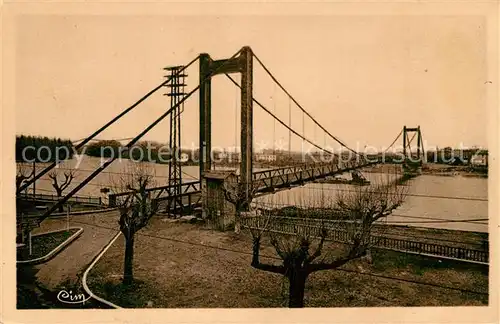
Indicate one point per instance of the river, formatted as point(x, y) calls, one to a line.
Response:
point(431, 201)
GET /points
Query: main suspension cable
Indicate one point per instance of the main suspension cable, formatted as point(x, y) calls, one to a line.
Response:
point(393, 142)
point(279, 120)
point(298, 105)
point(132, 142)
point(123, 113)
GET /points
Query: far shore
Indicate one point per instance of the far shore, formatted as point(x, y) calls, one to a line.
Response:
point(436, 169)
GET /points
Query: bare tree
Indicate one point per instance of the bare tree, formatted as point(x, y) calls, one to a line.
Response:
point(236, 194)
point(136, 208)
point(302, 242)
point(58, 186)
point(24, 172)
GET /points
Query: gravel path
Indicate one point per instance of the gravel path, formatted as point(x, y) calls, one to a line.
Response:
point(68, 265)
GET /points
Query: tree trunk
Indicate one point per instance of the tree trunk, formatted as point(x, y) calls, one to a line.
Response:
point(25, 234)
point(59, 195)
point(128, 275)
point(297, 281)
point(368, 256)
point(237, 222)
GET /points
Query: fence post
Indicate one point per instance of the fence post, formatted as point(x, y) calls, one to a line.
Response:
point(29, 240)
point(112, 200)
point(67, 216)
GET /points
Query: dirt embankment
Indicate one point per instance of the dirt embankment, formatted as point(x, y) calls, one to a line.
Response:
point(384, 168)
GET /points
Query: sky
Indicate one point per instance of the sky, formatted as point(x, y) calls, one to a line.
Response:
point(362, 77)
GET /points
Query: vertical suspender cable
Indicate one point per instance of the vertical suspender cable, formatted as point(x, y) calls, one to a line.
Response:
point(279, 120)
point(298, 105)
point(324, 140)
point(303, 133)
point(235, 122)
point(314, 133)
point(274, 120)
point(289, 125)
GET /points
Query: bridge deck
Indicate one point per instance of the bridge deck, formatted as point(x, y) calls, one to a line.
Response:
point(266, 181)
point(270, 180)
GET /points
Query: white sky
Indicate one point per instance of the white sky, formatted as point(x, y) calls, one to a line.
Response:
point(362, 77)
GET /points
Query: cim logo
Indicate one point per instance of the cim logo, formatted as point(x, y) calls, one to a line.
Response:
point(68, 297)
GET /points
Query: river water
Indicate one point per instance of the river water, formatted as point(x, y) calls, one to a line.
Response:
point(432, 201)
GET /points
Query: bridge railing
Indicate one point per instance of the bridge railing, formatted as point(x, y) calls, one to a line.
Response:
point(301, 173)
point(159, 193)
point(313, 227)
point(47, 197)
point(307, 166)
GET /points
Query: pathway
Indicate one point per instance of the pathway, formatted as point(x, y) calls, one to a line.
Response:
point(66, 268)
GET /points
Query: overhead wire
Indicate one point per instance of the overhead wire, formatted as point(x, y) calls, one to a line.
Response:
point(431, 219)
point(408, 194)
point(140, 233)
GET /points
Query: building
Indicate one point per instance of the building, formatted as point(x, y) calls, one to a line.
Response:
point(480, 158)
point(184, 157)
point(226, 157)
point(264, 157)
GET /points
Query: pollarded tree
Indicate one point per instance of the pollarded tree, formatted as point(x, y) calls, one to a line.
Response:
point(136, 208)
point(58, 186)
point(303, 245)
point(24, 172)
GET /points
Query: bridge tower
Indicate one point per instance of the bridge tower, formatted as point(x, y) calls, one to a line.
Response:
point(412, 159)
point(243, 64)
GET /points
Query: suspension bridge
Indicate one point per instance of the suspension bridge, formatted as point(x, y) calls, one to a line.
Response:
point(177, 194)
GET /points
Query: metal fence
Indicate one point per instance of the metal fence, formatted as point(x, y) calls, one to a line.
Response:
point(313, 227)
point(76, 199)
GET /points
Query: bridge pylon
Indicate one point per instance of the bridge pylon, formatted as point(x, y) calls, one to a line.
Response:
point(413, 160)
point(241, 63)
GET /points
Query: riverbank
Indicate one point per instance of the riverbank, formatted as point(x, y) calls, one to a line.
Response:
point(454, 170)
point(433, 169)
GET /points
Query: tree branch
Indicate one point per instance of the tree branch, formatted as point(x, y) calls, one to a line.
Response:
point(261, 266)
point(68, 177)
point(333, 265)
point(269, 268)
point(319, 248)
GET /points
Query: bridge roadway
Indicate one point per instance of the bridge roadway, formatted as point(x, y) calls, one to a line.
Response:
point(266, 181)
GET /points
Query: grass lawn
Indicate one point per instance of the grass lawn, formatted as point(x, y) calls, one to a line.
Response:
point(41, 245)
point(172, 268)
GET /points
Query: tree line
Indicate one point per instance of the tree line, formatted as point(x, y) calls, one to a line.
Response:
point(147, 151)
point(42, 148)
point(45, 149)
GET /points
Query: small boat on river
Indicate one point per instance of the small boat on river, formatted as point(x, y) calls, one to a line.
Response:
point(356, 179)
